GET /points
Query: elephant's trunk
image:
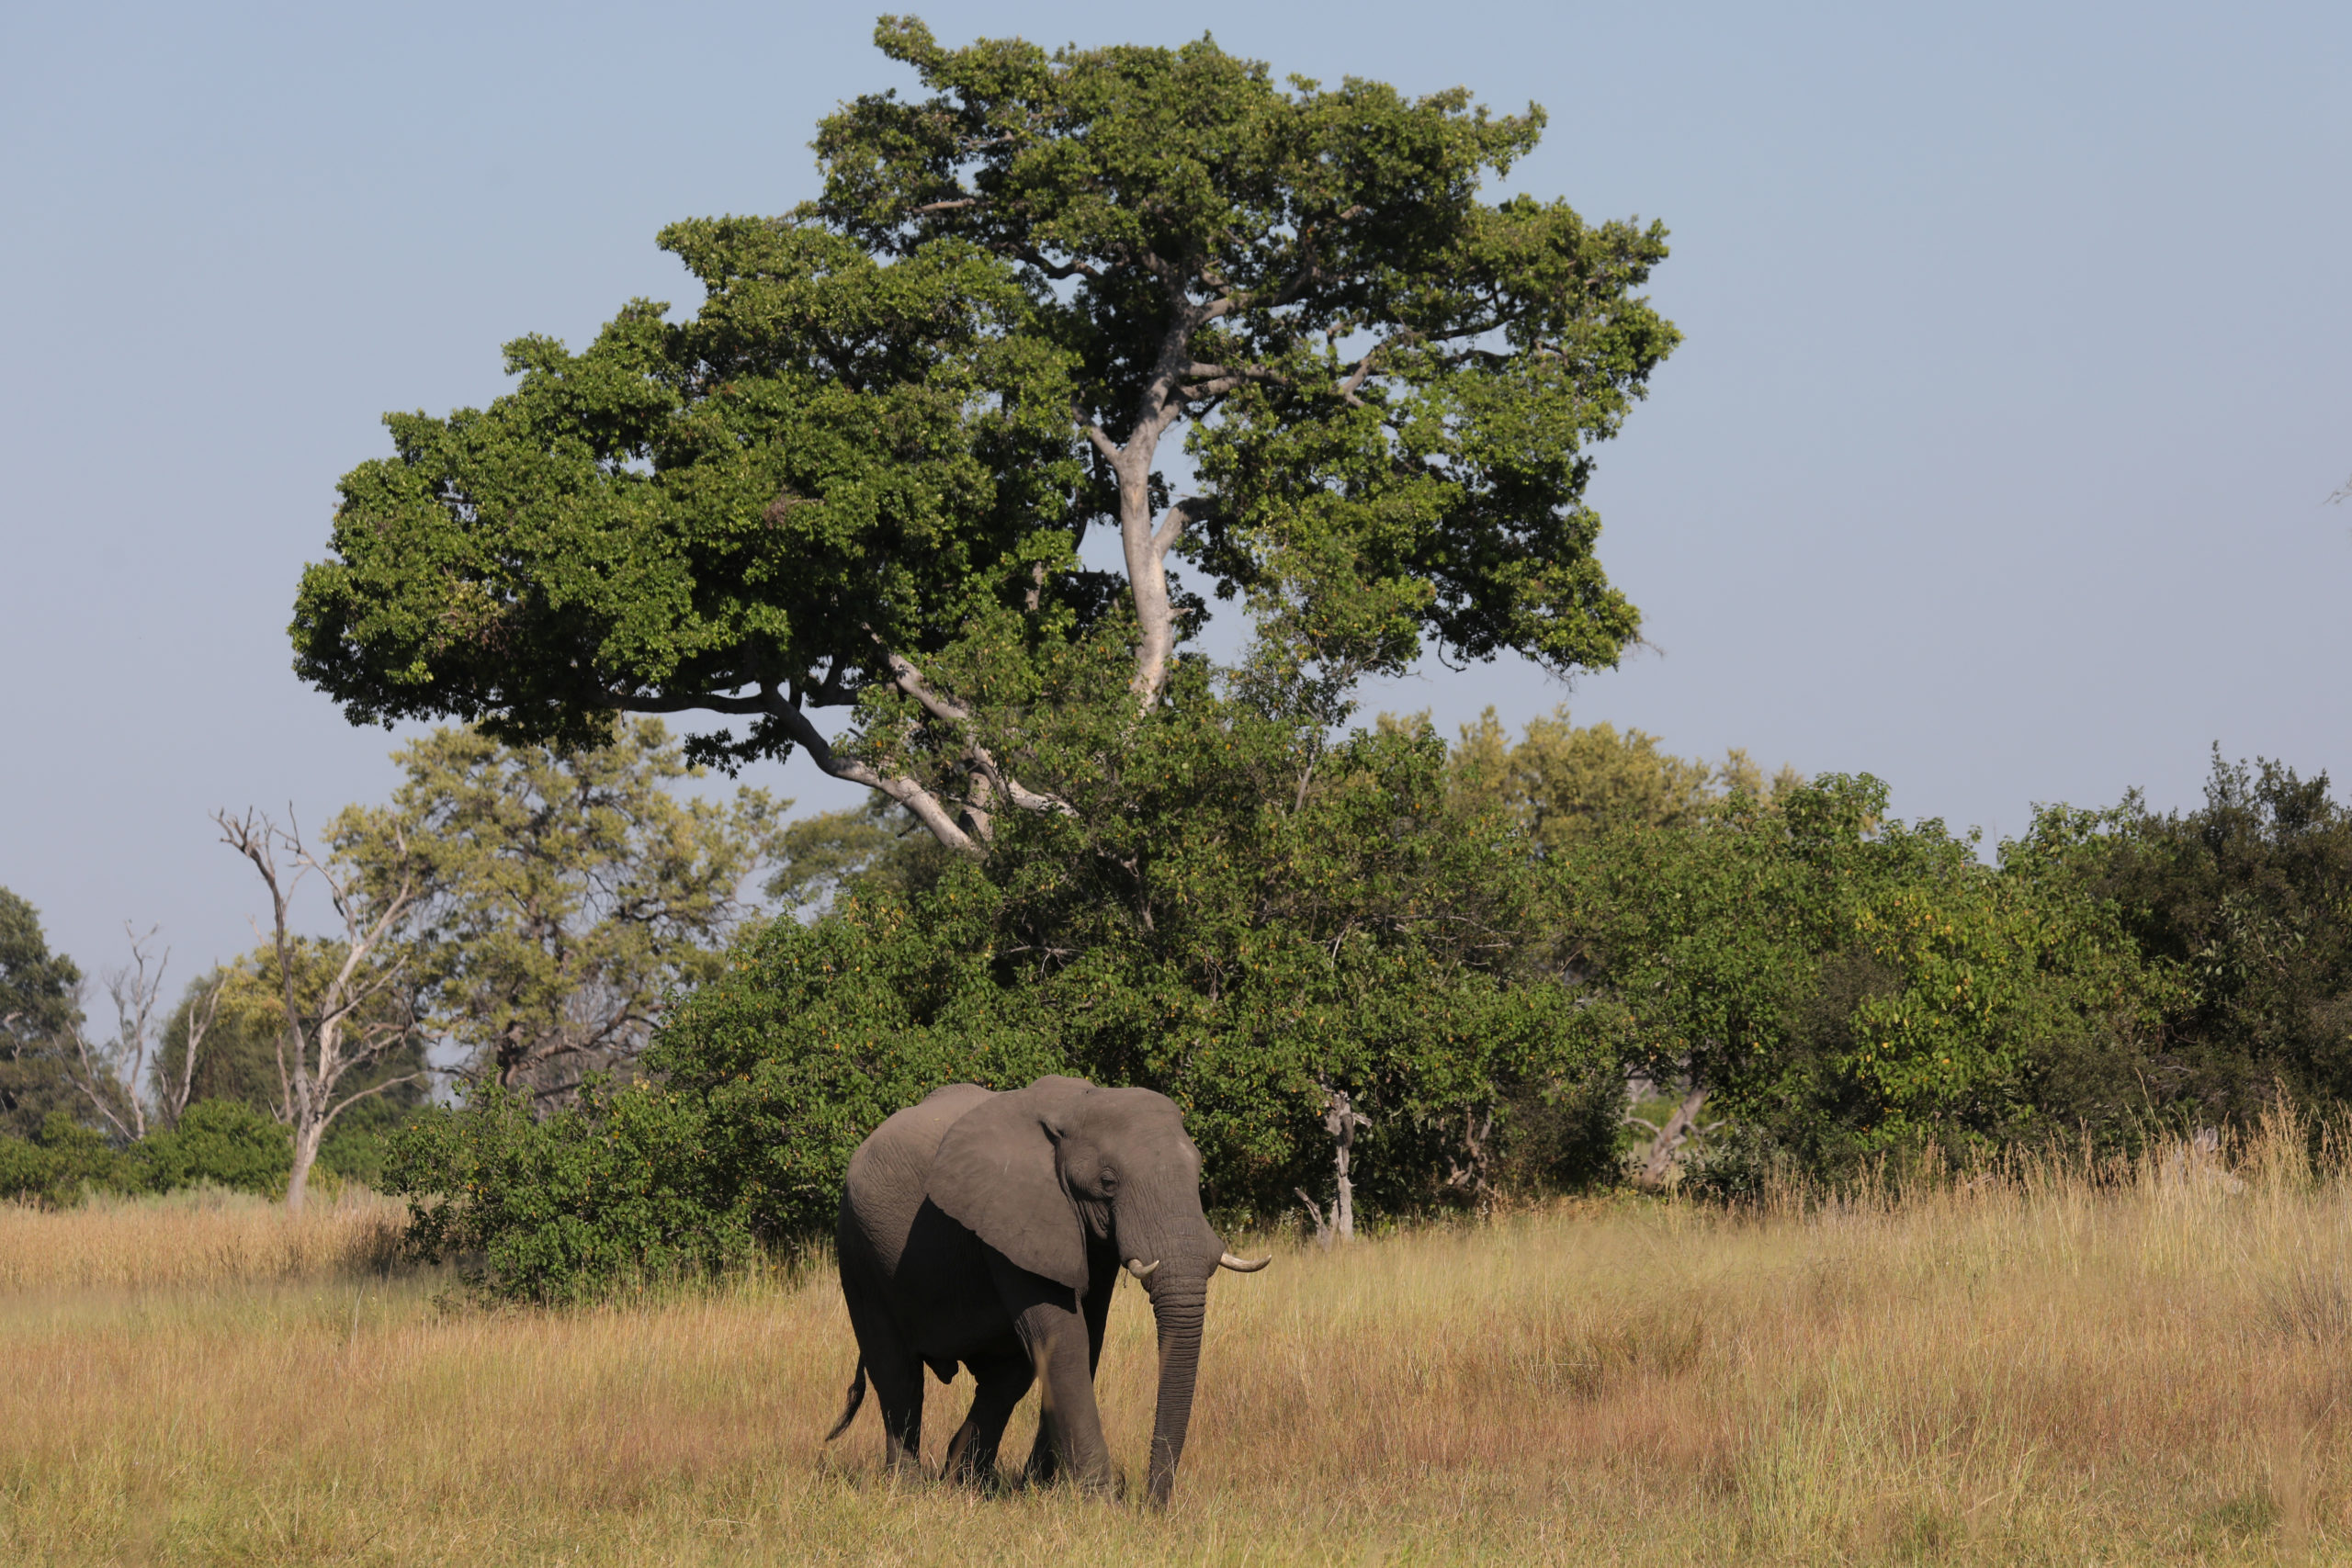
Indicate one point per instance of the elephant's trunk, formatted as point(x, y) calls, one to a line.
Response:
point(1179, 1314)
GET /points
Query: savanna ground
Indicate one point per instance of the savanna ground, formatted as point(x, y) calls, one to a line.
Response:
point(2138, 1364)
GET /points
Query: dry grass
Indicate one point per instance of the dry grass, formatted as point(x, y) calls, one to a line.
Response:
point(2033, 1369)
point(196, 1239)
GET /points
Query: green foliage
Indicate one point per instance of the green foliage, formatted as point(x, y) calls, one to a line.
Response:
point(875, 844)
point(37, 1006)
point(2250, 900)
point(562, 894)
point(238, 1058)
point(357, 1149)
point(1248, 917)
point(64, 1161)
point(1241, 918)
point(1245, 917)
point(1392, 383)
point(224, 1142)
point(218, 1143)
point(1848, 990)
point(832, 452)
point(1560, 783)
point(619, 1188)
point(859, 474)
point(818, 1032)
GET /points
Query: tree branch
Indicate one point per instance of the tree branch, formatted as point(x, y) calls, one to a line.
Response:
point(87, 1083)
point(626, 702)
point(1175, 520)
point(920, 802)
point(200, 1024)
point(908, 679)
point(1058, 271)
point(1354, 383)
point(405, 1078)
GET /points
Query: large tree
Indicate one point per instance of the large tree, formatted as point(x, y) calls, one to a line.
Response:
point(859, 476)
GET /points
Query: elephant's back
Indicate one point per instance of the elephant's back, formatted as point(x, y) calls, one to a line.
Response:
point(886, 1176)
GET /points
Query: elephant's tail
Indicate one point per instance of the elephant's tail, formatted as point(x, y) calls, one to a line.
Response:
point(856, 1398)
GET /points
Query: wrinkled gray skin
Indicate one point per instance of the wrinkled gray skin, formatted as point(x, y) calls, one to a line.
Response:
point(987, 1230)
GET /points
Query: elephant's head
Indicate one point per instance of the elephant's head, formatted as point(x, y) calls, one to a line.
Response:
point(1041, 1173)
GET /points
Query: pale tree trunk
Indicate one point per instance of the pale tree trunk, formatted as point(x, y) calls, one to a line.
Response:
point(1177, 385)
point(1340, 1119)
point(174, 1096)
point(1468, 1174)
point(307, 1139)
point(1656, 1169)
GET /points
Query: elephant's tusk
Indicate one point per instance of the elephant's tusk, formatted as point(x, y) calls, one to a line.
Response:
point(1245, 1265)
point(1141, 1270)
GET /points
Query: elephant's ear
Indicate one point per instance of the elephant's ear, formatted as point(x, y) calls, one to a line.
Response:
point(995, 1175)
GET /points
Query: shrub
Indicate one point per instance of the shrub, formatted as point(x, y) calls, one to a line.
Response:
point(64, 1162)
point(1850, 988)
point(224, 1142)
point(619, 1188)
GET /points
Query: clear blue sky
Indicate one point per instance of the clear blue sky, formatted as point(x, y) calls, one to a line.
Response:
point(2019, 365)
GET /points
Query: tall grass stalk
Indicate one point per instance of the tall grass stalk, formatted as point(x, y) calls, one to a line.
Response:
point(2044, 1360)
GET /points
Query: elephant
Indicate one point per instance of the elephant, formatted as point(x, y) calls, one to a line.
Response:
point(988, 1229)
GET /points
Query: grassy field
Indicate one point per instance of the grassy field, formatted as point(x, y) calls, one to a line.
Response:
point(2039, 1368)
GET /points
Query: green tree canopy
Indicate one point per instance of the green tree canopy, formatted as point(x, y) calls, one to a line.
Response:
point(860, 475)
point(236, 1056)
point(1561, 784)
point(2250, 897)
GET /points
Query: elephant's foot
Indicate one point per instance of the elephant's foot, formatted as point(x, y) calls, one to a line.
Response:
point(903, 1465)
point(971, 1464)
point(1111, 1486)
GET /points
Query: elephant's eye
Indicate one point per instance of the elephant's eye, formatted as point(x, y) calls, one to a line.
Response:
point(1110, 1180)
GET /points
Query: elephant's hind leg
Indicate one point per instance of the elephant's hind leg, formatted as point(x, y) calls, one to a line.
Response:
point(897, 1376)
point(1002, 1378)
point(897, 1386)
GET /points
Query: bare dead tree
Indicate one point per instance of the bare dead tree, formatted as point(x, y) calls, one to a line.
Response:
point(1467, 1175)
point(170, 1098)
point(360, 1011)
point(1342, 1120)
point(111, 1077)
point(1656, 1169)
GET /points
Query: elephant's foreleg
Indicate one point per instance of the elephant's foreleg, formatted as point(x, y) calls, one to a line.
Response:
point(1095, 1308)
point(1043, 1464)
point(1068, 1423)
point(972, 1451)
